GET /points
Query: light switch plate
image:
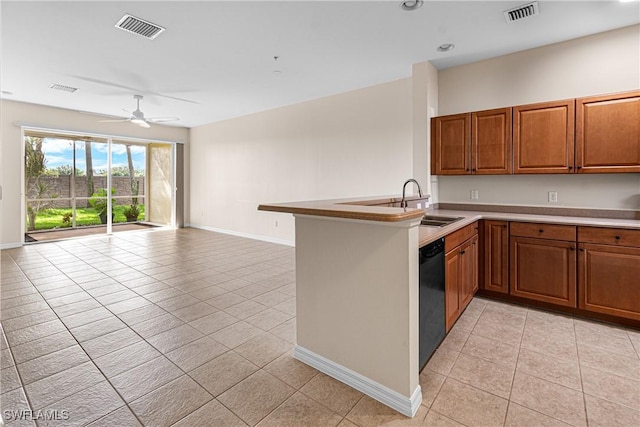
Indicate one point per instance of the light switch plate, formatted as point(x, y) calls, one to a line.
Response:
point(473, 194)
point(553, 196)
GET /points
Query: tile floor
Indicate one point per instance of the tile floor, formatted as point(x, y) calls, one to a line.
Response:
point(193, 328)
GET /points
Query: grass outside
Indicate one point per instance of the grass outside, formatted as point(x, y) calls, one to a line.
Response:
point(53, 218)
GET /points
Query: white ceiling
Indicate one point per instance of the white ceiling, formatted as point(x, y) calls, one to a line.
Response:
point(216, 59)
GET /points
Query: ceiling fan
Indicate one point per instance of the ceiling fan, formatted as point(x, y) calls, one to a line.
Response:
point(138, 117)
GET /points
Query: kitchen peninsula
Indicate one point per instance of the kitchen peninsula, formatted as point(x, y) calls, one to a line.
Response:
point(357, 294)
point(357, 280)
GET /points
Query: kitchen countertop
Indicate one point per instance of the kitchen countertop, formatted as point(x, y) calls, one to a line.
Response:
point(379, 209)
point(363, 208)
point(429, 234)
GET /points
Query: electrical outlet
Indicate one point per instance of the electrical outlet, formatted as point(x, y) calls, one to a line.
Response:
point(276, 224)
point(473, 195)
point(553, 196)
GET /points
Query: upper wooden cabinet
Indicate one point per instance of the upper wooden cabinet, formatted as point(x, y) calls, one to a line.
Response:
point(491, 142)
point(543, 137)
point(608, 133)
point(475, 143)
point(599, 134)
point(450, 154)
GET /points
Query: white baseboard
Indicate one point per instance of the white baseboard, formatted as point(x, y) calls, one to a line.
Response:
point(240, 234)
point(10, 245)
point(405, 405)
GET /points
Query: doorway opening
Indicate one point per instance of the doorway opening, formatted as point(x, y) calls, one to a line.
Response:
point(86, 185)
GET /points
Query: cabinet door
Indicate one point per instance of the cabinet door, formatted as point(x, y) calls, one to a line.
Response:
point(608, 133)
point(491, 142)
point(450, 145)
point(543, 137)
point(452, 287)
point(609, 280)
point(468, 271)
point(543, 270)
point(496, 256)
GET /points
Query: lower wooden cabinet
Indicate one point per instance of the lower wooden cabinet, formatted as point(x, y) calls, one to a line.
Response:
point(542, 262)
point(543, 270)
point(495, 256)
point(609, 271)
point(461, 276)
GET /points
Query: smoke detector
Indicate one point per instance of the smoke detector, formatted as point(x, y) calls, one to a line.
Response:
point(522, 12)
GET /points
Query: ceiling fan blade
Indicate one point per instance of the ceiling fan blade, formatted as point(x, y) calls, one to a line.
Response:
point(162, 119)
point(114, 120)
point(132, 89)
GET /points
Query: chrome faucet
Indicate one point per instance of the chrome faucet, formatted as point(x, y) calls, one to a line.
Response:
point(403, 203)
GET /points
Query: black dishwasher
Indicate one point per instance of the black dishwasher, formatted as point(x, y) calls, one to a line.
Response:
point(431, 312)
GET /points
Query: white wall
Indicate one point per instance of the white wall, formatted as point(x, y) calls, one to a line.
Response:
point(602, 63)
point(56, 118)
point(356, 143)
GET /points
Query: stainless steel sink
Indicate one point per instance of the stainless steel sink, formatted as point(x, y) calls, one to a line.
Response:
point(438, 221)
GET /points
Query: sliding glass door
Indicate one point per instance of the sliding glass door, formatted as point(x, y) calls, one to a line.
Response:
point(97, 185)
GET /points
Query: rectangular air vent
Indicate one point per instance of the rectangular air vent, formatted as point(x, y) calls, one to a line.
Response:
point(56, 86)
point(139, 26)
point(521, 12)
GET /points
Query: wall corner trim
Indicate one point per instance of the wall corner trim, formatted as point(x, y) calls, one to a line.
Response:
point(405, 405)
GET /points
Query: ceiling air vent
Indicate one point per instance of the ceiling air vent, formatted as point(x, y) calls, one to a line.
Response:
point(521, 12)
point(56, 86)
point(139, 26)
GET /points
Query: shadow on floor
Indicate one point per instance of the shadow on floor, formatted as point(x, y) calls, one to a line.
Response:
point(67, 233)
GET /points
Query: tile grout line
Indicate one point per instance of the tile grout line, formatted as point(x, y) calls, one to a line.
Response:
point(85, 352)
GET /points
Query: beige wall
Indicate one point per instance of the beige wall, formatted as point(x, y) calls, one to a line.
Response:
point(357, 297)
point(425, 106)
point(56, 118)
point(602, 63)
point(356, 143)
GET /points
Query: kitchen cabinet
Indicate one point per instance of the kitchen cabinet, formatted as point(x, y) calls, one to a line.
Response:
point(609, 271)
point(608, 133)
point(543, 137)
point(450, 154)
point(461, 271)
point(475, 143)
point(491, 142)
point(495, 259)
point(543, 262)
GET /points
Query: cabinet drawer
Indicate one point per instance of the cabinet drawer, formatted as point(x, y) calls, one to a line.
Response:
point(543, 231)
point(609, 236)
point(458, 237)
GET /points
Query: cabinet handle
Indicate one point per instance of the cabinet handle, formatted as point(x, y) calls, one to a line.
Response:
point(504, 226)
point(473, 169)
point(541, 231)
point(617, 237)
point(461, 252)
point(581, 250)
point(579, 167)
point(572, 248)
point(570, 167)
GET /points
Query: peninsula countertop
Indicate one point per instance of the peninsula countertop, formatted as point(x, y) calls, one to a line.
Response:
point(372, 208)
point(386, 209)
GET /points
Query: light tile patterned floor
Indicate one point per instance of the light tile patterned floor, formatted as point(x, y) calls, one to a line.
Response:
point(196, 328)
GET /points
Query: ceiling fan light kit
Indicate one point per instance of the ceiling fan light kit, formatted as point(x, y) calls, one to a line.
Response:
point(137, 117)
